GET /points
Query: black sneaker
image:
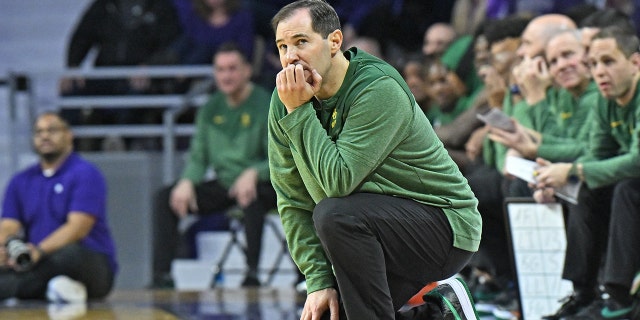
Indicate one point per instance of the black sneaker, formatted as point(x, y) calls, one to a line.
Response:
point(571, 305)
point(608, 310)
point(456, 299)
point(251, 280)
point(162, 281)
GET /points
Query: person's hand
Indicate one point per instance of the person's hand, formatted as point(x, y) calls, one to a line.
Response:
point(473, 146)
point(183, 198)
point(318, 302)
point(244, 188)
point(521, 140)
point(545, 195)
point(551, 174)
point(296, 85)
point(533, 78)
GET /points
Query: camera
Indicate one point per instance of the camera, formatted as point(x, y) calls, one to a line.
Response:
point(18, 251)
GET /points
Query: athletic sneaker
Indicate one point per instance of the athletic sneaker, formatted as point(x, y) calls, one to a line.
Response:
point(571, 305)
point(62, 289)
point(66, 311)
point(456, 299)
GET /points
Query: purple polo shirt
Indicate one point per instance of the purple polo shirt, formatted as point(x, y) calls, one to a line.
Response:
point(41, 203)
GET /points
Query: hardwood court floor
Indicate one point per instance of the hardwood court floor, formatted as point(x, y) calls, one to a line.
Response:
point(215, 304)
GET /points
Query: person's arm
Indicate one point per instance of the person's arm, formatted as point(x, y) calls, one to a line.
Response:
point(85, 34)
point(603, 168)
point(198, 161)
point(295, 206)
point(8, 227)
point(456, 134)
point(378, 121)
point(77, 226)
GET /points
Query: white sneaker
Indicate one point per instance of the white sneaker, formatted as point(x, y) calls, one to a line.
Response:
point(64, 289)
point(67, 311)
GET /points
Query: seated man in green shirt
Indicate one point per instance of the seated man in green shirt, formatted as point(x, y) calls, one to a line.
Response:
point(372, 205)
point(560, 128)
point(609, 199)
point(231, 139)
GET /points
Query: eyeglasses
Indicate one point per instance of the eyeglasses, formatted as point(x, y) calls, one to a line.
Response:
point(51, 130)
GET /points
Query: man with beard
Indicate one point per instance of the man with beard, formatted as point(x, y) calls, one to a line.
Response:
point(59, 206)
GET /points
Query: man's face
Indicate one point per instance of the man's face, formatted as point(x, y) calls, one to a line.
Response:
point(611, 69)
point(481, 53)
point(565, 56)
point(413, 75)
point(231, 73)
point(445, 86)
point(503, 55)
point(436, 40)
point(51, 137)
point(297, 43)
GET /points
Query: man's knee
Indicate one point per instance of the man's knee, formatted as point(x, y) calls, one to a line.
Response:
point(325, 213)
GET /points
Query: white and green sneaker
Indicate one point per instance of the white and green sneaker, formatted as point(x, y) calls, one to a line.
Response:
point(457, 303)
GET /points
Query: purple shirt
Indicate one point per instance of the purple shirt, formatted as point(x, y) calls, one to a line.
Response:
point(42, 204)
point(207, 38)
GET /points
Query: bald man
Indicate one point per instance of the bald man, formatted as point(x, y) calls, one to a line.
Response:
point(539, 31)
point(437, 39)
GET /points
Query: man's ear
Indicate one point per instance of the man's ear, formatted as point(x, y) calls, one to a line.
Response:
point(335, 41)
point(635, 59)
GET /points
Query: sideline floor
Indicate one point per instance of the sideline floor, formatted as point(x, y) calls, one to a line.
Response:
point(215, 304)
point(218, 304)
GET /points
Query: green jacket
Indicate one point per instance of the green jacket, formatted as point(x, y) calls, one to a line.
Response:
point(614, 143)
point(230, 140)
point(371, 136)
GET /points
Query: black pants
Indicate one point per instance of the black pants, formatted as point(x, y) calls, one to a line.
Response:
point(384, 249)
point(587, 230)
point(212, 199)
point(623, 253)
point(75, 261)
point(490, 186)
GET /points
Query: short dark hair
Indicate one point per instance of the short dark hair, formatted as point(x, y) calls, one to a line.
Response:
point(324, 18)
point(508, 27)
point(231, 46)
point(608, 17)
point(53, 113)
point(627, 42)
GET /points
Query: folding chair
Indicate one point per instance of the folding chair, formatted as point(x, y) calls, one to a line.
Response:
point(236, 228)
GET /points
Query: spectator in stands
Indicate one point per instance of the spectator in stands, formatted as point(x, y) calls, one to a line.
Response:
point(358, 181)
point(414, 73)
point(206, 25)
point(124, 33)
point(59, 206)
point(610, 176)
point(437, 39)
point(231, 139)
point(454, 111)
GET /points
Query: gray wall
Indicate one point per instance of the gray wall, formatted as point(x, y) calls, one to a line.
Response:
point(132, 180)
